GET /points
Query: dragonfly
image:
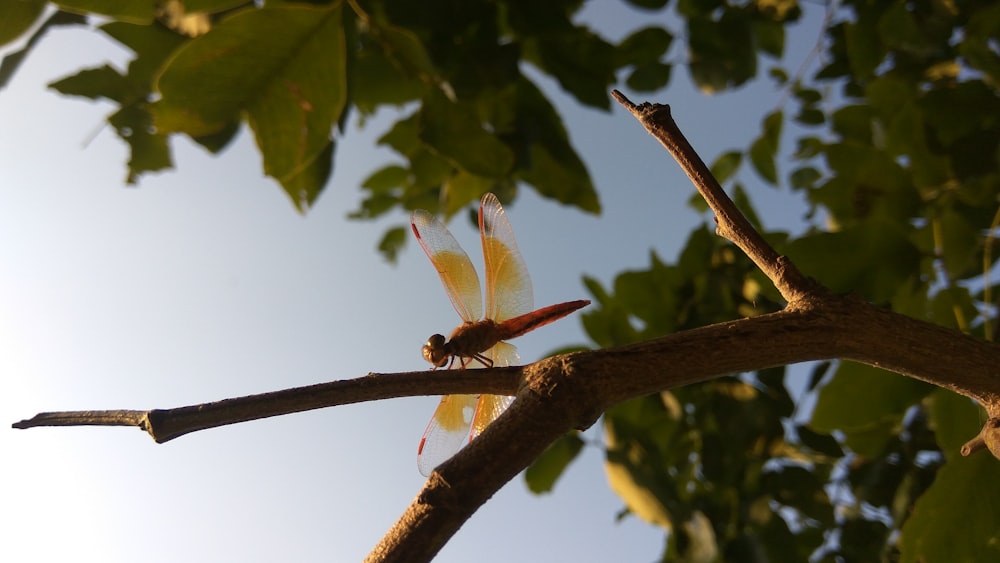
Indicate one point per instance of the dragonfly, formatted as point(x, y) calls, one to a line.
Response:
point(480, 339)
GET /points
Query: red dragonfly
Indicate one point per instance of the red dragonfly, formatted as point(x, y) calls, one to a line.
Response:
point(479, 339)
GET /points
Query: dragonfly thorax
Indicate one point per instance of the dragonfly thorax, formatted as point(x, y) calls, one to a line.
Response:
point(467, 342)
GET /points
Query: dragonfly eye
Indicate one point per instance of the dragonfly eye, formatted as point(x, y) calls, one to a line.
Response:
point(434, 350)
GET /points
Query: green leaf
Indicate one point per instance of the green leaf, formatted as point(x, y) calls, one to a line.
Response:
point(455, 131)
point(644, 46)
point(581, 61)
point(283, 66)
point(376, 80)
point(635, 433)
point(842, 260)
point(853, 123)
point(770, 37)
point(541, 476)
point(649, 77)
point(801, 489)
point(405, 50)
point(608, 324)
point(742, 200)
point(819, 442)
point(216, 142)
point(152, 44)
point(95, 83)
point(305, 185)
point(722, 52)
point(561, 179)
point(148, 151)
point(402, 136)
point(12, 61)
point(211, 6)
point(960, 240)
point(810, 116)
point(979, 44)
point(765, 148)
point(863, 47)
point(393, 241)
point(18, 17)
point(649, 4)
point(804, 178)
point(133, 11)
point(726, 165)
point(546, 158)
point(955, 419)
point(386, 179)
point(958, 518)
point(462, 187)
point(778, 74)
point(865, 403)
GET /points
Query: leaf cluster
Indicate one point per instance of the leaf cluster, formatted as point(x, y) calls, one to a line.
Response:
point(897, 153)
point(896, 150)
point(472, 120)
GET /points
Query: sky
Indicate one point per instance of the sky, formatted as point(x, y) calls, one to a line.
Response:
point(204, 283)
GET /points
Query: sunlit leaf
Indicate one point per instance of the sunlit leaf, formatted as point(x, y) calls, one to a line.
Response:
point(956, 519)
point(865, 403)
point(542, 474)
point(283, 66)
point(955, 419)
point(841, 260)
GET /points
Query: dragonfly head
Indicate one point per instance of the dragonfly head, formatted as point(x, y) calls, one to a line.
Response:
point(435, 352)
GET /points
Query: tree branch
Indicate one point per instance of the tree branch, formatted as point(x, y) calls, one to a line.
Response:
point(571, 391)
point(166, 424)
point(732, 224)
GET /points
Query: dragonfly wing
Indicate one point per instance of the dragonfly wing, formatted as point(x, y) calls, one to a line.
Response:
point(447, 431)
point(490, 407)
point(452, 264)
point(508, 285)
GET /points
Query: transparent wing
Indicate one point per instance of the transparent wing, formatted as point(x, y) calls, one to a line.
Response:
point(490, 407)
point(447, 431)
point(508, 285)
point(452, 263)
point(460, 418)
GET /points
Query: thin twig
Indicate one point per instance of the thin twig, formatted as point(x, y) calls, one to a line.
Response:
point(166, 424)
point(732, 224)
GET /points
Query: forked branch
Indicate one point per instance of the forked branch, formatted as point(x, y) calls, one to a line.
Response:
point(571, 391)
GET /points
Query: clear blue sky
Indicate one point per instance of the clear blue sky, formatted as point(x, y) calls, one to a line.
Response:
point(204, 283)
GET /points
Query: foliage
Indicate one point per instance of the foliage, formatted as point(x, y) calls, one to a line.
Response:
point(898, 156)
point(896, 147)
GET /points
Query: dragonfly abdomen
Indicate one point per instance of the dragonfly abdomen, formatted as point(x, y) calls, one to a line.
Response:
point(512, 328)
